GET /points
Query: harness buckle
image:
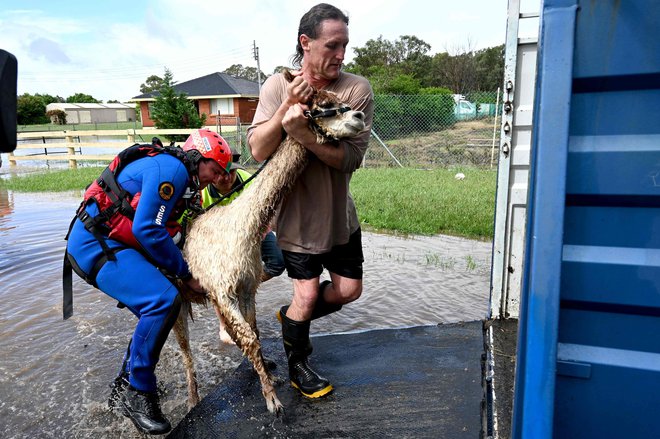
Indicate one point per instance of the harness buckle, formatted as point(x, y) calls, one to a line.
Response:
point(83, 216)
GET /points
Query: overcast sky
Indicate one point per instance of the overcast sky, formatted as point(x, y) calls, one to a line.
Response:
point(108, 48)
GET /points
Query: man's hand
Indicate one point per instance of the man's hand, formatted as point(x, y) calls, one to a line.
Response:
point(298, 90)
point(296, 124)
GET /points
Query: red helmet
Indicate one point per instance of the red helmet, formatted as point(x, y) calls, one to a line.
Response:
point(211, 146)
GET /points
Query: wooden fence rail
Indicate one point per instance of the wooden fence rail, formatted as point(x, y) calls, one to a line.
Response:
point(70, 148)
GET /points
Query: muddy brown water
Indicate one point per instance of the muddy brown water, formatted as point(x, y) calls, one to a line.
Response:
point(54, 374)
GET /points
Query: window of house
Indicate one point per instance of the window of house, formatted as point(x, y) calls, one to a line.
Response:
point(224, 106)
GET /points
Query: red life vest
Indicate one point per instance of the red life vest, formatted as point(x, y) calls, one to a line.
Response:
point(117, 206)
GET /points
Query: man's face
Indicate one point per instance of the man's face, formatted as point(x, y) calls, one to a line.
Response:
point(325, 54)
point(225, 182)
point(209, 172)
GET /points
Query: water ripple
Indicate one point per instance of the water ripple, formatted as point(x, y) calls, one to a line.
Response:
point(54, 374)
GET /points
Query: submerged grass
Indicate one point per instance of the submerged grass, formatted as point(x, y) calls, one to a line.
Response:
point(52, 181)
point(408, 201)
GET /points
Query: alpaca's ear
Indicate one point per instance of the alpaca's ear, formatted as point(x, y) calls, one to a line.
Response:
point(287, 75)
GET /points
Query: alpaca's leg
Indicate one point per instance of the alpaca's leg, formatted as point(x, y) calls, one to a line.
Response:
point(224, 335)
point(183, 338)
point(247, 340)
point(248, 307)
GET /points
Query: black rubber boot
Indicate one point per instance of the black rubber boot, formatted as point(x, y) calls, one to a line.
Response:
point(321, 307)
point(144, 410)
point(118, 386)
point(298, 347)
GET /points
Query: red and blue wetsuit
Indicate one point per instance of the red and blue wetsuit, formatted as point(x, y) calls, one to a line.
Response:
point(143, 250)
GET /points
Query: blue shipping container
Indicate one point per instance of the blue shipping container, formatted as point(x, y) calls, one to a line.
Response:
point(589, 340)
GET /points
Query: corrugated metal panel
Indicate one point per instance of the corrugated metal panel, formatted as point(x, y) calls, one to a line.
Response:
point(610, 301)
point(590, 308)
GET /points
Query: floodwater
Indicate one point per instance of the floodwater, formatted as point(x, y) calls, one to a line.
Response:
point(54, 374)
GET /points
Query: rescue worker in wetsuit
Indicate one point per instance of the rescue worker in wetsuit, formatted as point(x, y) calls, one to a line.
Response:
point(133, 257)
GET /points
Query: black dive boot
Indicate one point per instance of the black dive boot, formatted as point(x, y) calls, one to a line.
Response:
point(321, 307)
point(298, 347)
point(144, 410)
point(118, 386)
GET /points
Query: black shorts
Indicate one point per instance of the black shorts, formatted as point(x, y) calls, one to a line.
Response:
point(345, 260)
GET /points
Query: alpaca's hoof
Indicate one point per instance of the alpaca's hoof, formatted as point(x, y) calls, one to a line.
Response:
point(274, 405)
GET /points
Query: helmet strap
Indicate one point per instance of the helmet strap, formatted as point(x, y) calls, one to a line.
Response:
point(194, 158)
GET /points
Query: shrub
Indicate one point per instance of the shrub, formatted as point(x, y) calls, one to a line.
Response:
point(57, 116)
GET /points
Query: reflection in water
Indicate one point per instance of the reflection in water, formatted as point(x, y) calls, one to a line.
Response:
point(54, 374)
point(6, 207)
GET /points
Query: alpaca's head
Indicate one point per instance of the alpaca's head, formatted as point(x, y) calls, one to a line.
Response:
point(329, 118)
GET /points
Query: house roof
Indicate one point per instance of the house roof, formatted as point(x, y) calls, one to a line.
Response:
point(72, 106)
point(213, 85)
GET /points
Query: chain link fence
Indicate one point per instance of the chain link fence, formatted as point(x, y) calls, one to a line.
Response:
point(422, 131)
point(417, 131)
point(433, 131)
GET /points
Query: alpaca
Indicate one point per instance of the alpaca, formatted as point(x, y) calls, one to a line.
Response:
point(223, 245)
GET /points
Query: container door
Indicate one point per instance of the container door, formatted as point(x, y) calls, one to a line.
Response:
point(589, 352)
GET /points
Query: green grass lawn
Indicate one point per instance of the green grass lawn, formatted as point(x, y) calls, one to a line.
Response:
point(427, 202)
point(408, 201)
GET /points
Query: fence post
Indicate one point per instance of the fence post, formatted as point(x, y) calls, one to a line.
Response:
point(73, 164)
point(373, 133)
point(131, 137)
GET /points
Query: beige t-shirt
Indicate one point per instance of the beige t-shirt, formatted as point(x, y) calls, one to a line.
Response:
point(319, 213)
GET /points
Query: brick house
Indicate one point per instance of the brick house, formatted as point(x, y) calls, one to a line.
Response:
point(217, 93)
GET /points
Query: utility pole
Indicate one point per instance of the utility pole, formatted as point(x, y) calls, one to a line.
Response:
point(255, 53)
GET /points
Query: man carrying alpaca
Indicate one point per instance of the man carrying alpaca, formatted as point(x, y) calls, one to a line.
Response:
point(317, 225)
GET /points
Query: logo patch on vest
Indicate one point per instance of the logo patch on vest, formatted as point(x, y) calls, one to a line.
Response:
point(166, 190)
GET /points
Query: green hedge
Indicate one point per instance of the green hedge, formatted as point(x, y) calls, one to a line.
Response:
point(401, 115)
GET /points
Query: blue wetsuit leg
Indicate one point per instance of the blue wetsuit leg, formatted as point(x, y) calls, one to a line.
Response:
point(155, 301)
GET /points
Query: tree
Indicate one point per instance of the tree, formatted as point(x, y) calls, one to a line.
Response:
point(279, 69)
point(249, 73)
point(30, 110)
point(407, 54)
point(82, 98)
point(48, 99)
point(461, 69)
point(456, 69)
point(174, 110)
point(376, 53)
point(153, 83)
point(490, 68)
